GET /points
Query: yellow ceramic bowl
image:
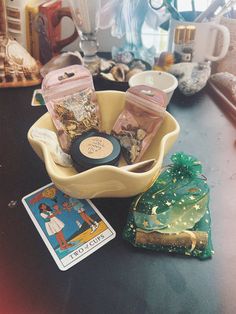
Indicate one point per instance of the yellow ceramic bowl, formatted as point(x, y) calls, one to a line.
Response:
point(107, 181)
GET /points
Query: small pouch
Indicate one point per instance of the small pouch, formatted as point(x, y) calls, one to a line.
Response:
point(140, 120)
point(71, 101)
point(173, 215)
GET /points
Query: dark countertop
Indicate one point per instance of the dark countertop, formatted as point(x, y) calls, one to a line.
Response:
point(117, 278)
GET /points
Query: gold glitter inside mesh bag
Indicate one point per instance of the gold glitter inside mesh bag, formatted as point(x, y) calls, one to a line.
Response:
point(173, 215)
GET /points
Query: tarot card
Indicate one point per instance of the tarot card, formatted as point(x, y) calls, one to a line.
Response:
point(37, 98)
point(71, 228)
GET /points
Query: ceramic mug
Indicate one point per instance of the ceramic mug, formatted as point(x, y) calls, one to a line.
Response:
point(49, 33)
point(196, 42)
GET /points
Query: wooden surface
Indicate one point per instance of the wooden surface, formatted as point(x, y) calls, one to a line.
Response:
point(117, 278)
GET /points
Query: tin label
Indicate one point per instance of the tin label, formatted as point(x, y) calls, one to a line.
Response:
point(96, 147)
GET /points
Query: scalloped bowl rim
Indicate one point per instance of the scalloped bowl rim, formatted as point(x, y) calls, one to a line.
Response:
point(47, 158)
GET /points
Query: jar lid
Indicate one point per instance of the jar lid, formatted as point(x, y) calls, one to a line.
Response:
point(93, 148)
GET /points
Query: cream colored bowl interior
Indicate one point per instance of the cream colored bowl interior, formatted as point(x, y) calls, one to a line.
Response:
point(107, 181)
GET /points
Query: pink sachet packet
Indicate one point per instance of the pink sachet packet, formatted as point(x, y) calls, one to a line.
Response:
point(138, 123)
point(71, 101)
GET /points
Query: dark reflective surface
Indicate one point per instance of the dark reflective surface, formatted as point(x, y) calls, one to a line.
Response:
point(117, 278)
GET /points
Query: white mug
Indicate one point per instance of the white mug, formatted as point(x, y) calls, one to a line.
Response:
point(196, 42)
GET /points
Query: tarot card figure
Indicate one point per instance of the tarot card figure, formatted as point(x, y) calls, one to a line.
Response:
point(76, 205)
point(54, 225)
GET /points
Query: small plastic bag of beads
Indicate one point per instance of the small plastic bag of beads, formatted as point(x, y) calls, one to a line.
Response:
point(140, 120)
point(71, 101)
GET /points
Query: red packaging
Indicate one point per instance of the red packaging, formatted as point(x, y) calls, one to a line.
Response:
point(48, 33)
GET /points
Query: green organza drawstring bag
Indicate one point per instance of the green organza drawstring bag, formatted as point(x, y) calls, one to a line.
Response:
point(173, 215)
